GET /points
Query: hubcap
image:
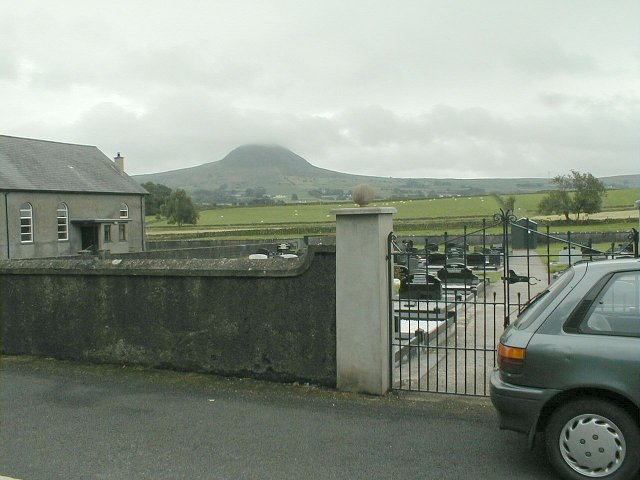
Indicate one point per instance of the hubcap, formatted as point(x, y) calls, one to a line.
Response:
point(592, 445)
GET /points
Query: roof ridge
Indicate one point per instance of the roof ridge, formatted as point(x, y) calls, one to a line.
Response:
point(48, 141)
point(44, 167)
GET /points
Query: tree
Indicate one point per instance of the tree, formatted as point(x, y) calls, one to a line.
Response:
point(576, 193)
point(510, 203)
point(179, 208)
point(589, 193)
point(159, 194)
point(507, 203)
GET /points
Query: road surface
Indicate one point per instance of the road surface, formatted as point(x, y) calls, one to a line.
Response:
point(65, 420)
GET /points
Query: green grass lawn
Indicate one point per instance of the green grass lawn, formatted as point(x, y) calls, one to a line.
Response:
point(416, 217)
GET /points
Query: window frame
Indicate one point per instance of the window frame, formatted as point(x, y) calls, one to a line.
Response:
point(65, 208)
point(106, 233)
point(122, 232)
point(124, 210)
point(592, 301)
point(28, 234)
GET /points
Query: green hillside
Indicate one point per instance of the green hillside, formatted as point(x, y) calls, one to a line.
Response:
point(281, 174)
point(620, 204)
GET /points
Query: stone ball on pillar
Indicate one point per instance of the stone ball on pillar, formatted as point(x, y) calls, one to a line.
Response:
point(363, 194)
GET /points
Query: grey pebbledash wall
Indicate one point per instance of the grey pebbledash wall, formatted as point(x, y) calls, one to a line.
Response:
point(273, 319)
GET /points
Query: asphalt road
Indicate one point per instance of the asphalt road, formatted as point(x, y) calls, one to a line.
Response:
point(72, 421)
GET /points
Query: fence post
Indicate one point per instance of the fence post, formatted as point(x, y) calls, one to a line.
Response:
point(362, 299)
point(635, 240)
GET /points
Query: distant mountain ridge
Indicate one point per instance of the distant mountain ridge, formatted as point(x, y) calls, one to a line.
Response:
point(256, 156)
point(280, 173)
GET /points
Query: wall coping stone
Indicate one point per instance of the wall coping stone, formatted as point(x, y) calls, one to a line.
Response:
point(364, 211)
point(224, 267)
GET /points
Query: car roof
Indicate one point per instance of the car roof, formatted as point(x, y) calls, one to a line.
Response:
point(604, 266)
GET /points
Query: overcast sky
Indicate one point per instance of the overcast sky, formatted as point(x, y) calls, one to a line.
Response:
point(427, 88)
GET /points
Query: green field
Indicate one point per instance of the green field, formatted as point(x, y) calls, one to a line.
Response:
point(415, 216)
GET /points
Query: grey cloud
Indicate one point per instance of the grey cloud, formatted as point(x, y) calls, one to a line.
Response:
point(544, 57)
point(9, 66)
point(186, 127)
point(420, 88)
point(476, 142)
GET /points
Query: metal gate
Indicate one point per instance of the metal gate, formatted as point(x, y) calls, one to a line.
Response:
point(453, 295)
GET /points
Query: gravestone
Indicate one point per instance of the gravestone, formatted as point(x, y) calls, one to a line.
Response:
point(431, 247)
point(476, 259)
point(457, 273)
point(410, 261)
point(456, 257)
point(408, 244)
point(495, 258)
point(436, 258)
point(430, 290)
point(450, 246)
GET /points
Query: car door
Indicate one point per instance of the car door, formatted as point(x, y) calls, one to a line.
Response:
point(598, 346)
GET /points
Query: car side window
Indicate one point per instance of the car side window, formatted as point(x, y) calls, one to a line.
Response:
point(616, 309)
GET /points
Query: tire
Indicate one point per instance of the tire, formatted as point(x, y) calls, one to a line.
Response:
point(593, 438)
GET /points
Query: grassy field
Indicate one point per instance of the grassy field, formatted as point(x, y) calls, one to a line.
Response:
point(415, 216)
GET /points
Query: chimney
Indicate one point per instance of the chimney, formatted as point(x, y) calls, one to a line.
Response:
point(119, 163)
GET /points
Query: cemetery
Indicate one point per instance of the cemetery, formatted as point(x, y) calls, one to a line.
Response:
point(430, 289)
point(452, 296)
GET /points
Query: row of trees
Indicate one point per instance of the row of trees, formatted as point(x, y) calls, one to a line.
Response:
point(175, 205)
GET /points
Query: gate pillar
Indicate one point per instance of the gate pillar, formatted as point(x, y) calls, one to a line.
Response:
point(362, 299)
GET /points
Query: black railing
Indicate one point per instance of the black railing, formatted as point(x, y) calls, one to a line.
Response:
point(452, 295)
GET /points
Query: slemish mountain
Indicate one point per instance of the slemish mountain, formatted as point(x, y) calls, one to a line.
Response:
point(274, 171)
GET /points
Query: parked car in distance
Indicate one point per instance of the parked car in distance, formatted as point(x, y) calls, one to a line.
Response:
point(569, 366)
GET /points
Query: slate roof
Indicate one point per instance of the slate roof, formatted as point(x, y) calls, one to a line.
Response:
point(40, 165)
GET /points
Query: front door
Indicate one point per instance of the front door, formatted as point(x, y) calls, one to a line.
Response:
point(90, 237)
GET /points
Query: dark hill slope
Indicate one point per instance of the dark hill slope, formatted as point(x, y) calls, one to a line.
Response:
point(281, 172)
point(276, 169)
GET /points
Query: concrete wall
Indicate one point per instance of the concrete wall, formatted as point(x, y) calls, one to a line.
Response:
point(273, 319)
point(45, 223)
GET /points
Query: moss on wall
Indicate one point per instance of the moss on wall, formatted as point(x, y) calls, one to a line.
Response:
point(272, 319)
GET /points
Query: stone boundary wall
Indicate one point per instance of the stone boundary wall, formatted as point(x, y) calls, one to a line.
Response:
point(273, 319)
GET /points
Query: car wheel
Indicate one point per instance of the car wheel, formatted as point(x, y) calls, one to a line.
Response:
point(593, 438)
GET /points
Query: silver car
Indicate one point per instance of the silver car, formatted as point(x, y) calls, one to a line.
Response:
point(569, 367)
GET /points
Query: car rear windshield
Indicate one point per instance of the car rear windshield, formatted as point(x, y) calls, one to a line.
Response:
point(537, 304)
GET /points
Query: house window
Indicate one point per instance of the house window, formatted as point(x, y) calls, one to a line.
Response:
point(63, 222)
point(107, 233)
point(26, 223)
point(122, 232)
point(124, 211)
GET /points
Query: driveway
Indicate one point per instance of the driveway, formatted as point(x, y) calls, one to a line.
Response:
point(73, 421)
